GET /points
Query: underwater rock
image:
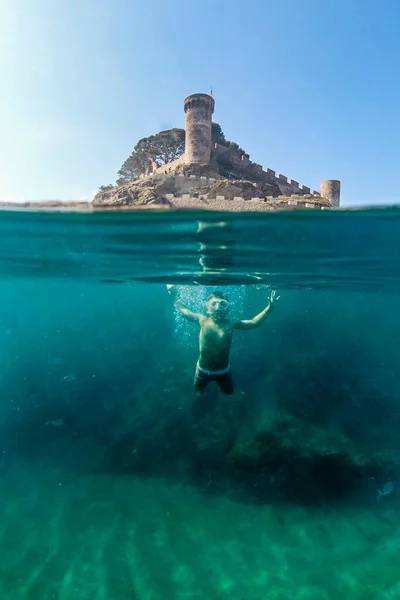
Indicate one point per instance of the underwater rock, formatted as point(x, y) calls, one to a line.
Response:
point(386, 489)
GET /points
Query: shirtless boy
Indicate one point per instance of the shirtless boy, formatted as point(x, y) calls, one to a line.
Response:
point(216, 329)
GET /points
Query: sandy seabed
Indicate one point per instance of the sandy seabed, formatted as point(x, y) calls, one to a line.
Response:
point(102, 537)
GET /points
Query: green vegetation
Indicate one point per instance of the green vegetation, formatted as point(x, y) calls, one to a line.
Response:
point(161, 148)
point(218, 137)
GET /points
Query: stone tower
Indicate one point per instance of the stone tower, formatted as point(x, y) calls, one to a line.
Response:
point(199, 109)
point(330, 189)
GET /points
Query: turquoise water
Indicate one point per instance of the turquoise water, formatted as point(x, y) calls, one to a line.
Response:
point(117, 483)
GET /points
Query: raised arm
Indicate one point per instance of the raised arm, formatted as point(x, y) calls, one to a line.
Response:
point(188, 314)
point(260, 318)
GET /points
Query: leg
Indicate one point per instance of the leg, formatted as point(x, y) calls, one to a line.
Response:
point(225, 383)
point(203, 404)
point(201, 380)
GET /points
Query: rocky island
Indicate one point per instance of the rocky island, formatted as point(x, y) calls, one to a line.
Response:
point(199, 169)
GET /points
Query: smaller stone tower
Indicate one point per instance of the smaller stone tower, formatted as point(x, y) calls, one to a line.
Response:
point(199, 109)
point(330, 189)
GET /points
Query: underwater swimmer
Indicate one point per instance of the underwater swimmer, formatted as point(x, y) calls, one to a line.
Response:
point(216, 330)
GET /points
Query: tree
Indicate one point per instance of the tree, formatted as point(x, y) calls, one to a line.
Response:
point(136, 164)
point(160, 148)
point(106, 188)
point(164, 147)
point(237, 147)
point(217, 135)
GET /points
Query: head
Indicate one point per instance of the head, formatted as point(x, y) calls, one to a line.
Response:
point(218, 305)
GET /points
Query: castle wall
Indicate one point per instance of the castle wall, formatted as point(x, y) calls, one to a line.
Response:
point(242, 166)
point(169, 167)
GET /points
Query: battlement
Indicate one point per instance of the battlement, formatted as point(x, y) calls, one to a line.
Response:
point(199, 100)
point(289, 186)
point(293, 187)
point(286, 185)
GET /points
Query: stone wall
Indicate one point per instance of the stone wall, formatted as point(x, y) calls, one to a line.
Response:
point(239, 204)
point(168, 168)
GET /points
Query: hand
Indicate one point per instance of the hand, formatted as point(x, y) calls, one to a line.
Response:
point(273, 298)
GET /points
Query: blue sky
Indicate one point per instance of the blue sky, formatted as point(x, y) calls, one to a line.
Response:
point(310, 88)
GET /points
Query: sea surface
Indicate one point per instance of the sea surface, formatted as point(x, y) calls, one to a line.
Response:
point(118, 483)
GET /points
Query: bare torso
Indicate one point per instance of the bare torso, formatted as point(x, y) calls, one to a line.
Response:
point(215, 344)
